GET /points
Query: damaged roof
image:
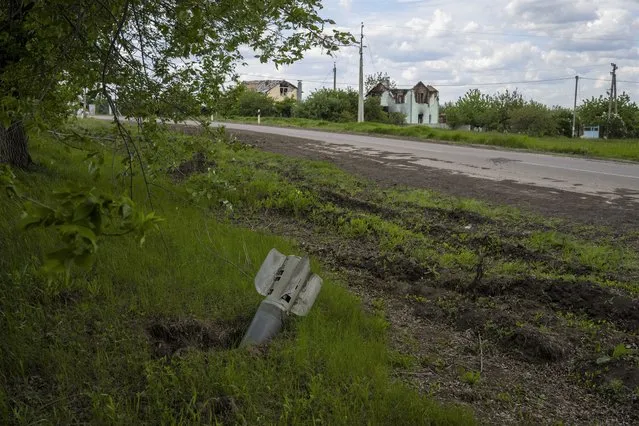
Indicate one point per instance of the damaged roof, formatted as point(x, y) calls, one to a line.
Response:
point(429, 87)
point(380, 88)
point(265, 86)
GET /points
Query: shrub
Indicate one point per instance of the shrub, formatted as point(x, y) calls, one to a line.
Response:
point(396, 118)
point(249, 102)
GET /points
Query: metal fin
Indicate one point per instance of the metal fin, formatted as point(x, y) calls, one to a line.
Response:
point(307, 296)
point(265, 277)
point(298, 279)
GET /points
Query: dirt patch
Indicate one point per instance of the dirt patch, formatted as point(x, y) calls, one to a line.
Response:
point(354, 203)
point(536, 346)
point(384, 267)
point(522, 341)
point(169, 337)
point(611, 377)
point(580, 297)
point(518, 251)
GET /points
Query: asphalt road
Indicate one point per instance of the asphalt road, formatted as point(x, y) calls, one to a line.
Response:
point(610, 179)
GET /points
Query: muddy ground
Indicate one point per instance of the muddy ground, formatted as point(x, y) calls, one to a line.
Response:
point(540, 347)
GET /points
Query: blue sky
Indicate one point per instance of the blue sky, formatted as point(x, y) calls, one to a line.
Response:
point(458, 45)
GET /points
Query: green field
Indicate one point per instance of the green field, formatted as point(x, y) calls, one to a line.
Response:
point(613, 149)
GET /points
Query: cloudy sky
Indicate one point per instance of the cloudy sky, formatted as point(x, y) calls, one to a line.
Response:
point(456, 45)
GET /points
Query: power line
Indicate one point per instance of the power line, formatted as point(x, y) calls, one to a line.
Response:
point(325, 77)
point(370, 53)
point(437, 84)
point(504, 82)
point(606, 80)
point(269, 77)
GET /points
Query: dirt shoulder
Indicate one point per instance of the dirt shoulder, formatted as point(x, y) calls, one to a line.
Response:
point(620, 215)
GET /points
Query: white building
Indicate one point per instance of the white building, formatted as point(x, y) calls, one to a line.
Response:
point(420, 104)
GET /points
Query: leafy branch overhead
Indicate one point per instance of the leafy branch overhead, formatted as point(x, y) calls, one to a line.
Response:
point(80, 217)
point(150, 57)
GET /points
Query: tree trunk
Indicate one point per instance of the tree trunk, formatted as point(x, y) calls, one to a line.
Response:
point(14, 145)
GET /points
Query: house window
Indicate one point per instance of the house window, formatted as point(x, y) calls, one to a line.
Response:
point(283, 90)
point(421, 98)
point(400, 98)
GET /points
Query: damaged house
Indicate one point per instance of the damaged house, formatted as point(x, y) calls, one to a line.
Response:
point(420, 104)
point(277, 90)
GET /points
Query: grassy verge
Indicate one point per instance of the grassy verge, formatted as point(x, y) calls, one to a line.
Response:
point(613, 149)
point(147, 336)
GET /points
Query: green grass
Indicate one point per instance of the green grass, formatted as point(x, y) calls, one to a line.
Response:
point(80, 352)
point(615, 149)
point(600, 257)
point(471, 377)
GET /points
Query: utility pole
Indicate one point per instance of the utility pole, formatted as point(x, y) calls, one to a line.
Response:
point(299, 90)
point(360, 104)
point(614, 84)
point(574, 109)
point(612, 95)
point(334, 76)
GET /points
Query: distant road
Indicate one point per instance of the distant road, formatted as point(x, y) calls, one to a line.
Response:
point(611, 179)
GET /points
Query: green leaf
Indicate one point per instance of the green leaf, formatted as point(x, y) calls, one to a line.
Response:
point(35, 215)
point(84, 210)
point(85, 260)
point(58, 261)
point(80, 231)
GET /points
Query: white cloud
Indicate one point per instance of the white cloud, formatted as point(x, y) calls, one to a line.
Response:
point(551, 11)
point(482, 41)
point(439, 24)
point(346, 4)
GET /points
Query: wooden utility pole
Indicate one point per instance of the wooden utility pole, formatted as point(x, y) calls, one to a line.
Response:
point(612, 95)
point(574, 109)
point(334, 76)
point(360, 104)
point(614, 85)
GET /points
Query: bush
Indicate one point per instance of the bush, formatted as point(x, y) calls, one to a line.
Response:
point(329, 105)
point(285, 108)
point(249, 102)
point(396, 118)
point(373, 111)
point(533, 119)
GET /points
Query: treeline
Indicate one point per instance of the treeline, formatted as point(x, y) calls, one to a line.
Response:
point(510, 112)
point(323, 104)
